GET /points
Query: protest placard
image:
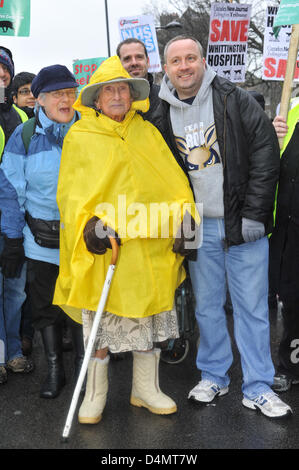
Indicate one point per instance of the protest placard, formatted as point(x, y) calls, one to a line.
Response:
point(276, 47)
point(14, 17)
point(228, 37)
point(143, 28)
point(288, 12)
point(83, 70)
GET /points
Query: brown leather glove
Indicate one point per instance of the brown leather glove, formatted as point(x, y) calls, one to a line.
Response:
point(186, 233)
point(96, 236)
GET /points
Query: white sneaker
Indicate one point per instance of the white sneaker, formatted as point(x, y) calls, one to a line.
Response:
point(269, 404)
point(205, 391)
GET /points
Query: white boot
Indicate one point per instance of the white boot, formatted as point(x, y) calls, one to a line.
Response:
point(94, 402)
point(145, 387)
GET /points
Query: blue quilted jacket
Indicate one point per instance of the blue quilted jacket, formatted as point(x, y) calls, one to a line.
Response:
point(28, 182)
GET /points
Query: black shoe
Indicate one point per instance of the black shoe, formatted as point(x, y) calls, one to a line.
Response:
point(283, 383)
point(272, 302)
point(26, 346)
point(3, 375)
point(55, 381)
point(67, 343)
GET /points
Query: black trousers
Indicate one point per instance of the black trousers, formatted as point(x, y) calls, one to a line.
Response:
point(288, 353)
point(284, 276)
point(41, 278)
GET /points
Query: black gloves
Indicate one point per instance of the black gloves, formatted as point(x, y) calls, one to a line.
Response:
point(96, 236)
point(185, 234)
point(12, 257)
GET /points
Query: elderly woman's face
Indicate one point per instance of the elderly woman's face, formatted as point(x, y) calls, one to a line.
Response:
point(114, 100)
point(58, 104)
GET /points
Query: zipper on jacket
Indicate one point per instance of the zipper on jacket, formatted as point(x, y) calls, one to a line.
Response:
point(224, 133)
point(225, 241)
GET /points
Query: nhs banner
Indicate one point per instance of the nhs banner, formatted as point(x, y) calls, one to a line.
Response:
point(142, 28)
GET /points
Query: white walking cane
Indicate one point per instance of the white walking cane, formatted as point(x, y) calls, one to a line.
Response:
point(91, 340)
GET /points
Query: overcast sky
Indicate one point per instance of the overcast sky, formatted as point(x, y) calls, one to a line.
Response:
point(65, 30)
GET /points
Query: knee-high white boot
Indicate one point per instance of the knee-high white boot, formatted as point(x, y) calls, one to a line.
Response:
point(94, 402)
point(145, 387)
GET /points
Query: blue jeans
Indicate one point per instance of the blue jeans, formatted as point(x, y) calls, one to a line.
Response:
point(246, 269)
point(12, 296)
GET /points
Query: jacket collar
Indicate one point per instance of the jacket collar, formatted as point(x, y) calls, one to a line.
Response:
point(222, 85)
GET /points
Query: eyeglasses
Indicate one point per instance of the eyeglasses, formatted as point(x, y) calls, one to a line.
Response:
point(24, 91)
point(58, 94)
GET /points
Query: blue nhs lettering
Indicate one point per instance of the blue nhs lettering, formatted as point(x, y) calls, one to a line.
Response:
point(143, 33)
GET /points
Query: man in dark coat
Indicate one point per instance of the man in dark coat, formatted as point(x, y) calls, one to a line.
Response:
point(226, 144)
point(284, 249)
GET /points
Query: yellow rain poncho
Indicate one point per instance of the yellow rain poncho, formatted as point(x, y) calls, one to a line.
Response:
point(122, 172)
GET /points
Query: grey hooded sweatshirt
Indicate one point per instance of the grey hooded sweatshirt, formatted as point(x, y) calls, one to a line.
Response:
point(195, 134)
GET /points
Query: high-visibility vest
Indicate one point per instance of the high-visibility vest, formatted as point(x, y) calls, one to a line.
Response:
point(23, 117)
point(293, 117)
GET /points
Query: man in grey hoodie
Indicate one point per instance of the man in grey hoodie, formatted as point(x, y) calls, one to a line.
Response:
point(225, 143)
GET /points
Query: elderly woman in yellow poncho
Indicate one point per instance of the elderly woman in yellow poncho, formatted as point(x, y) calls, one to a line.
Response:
point(116, 170)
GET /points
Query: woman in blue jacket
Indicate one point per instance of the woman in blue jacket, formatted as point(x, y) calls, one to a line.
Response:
point(30, 216)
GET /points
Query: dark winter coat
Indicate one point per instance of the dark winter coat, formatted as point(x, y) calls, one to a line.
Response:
point(284, 242)
point(153, 98)
point(250, 154)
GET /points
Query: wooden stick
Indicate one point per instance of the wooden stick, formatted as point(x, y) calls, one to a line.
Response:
point(288, 81)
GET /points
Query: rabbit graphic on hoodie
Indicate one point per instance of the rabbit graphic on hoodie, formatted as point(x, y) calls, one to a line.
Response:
point(194, 130)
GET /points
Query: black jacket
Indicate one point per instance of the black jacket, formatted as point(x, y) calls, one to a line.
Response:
point(153, 97)
point(9, 119)
point(284, 247)
point(250, 154)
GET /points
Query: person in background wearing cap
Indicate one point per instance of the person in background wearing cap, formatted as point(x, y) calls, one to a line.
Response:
point(28, 184)
point(115, 162)
point(21, 92)
point(12, 276)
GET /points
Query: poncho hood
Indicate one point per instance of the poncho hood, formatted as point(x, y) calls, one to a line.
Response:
point(110, 69)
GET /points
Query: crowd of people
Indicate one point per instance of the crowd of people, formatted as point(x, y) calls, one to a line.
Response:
point(197, 139)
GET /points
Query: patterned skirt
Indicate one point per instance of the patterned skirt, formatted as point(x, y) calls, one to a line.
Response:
point(121, 334)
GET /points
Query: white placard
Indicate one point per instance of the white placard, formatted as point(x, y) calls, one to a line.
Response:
point(275, 53)
point(228, 38)
point(143, 28)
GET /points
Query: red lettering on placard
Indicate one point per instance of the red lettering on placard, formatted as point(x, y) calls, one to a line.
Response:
point(270, 67)
point(225, 31)
point(236, 31)
point(278, 69)
point(235, 26)
point(215, 28)
point(281, 69)
point(80, 68)
point(244, 30)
